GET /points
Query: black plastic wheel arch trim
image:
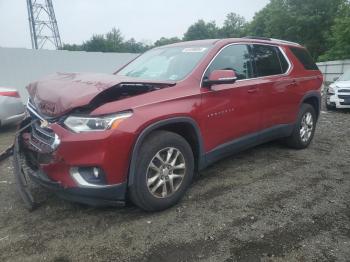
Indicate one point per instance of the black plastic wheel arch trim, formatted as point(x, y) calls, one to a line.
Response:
point(313, 94)
point(157, 125)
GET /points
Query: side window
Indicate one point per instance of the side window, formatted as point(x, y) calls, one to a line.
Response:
point(233, 57)
point(304, 58)
point(267, 60)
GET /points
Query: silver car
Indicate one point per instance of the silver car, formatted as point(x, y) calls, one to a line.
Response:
point(11, 106)
point(338, 93)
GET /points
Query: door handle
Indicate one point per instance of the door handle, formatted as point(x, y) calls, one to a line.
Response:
point(253, 90)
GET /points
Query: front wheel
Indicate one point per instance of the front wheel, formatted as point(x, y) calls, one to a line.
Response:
point(304, 129)
point(165, 167)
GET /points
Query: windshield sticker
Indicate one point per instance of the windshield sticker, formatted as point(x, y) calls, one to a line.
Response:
point(194, 50)
point(173, 77)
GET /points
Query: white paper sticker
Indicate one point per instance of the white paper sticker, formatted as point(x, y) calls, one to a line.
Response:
point(194, 50)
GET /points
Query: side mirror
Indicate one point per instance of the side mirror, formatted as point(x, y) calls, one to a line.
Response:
point(220, 77)
point(335, 79)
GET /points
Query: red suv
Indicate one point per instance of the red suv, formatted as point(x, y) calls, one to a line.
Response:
point(144, 131)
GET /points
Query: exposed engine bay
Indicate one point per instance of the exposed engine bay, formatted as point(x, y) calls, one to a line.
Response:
point(123, 91)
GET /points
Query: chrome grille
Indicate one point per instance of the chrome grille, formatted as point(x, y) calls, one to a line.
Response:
point(44, 134)
point(42, 139)
point(344, 91)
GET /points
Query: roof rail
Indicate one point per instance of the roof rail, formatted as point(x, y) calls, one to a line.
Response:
point(257, 37)
point(271, 39)
point(285, 41)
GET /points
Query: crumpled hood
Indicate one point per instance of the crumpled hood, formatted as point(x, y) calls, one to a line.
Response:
point(57, 94)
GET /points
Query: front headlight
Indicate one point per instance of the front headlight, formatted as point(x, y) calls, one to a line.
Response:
point(87, 124)
point(331, 89)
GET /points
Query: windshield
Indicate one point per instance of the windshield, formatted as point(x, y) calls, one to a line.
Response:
point(345, 76)
point(166, 63)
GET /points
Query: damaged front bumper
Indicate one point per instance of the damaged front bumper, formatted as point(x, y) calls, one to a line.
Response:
point(339, 99)
point(27, 172)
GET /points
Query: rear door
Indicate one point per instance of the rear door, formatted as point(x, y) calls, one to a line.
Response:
point(231, 111)
point(276, 87)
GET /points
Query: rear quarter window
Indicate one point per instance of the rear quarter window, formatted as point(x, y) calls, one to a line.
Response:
point(269, 60)
point(304, 58)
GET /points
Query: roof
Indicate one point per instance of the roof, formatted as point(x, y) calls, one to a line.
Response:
point(251, 39)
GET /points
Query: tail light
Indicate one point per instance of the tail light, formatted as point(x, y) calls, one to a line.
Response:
point(9, 93)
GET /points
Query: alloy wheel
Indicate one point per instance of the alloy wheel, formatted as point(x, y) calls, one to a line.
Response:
point(306, 127)
point(166, 172)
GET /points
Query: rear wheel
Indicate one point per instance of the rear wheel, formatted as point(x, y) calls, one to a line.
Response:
point(304, 128)
point(164, 172)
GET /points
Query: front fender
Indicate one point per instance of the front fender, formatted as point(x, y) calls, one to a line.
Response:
point(157, 125)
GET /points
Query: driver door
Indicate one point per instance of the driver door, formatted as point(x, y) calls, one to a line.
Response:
point(231, 111)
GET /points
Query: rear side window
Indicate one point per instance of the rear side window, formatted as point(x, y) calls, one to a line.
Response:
point(269, 60)
point(233, 57)
point(304, 58)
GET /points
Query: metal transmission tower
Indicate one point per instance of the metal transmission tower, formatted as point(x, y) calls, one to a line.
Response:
point(43, 25)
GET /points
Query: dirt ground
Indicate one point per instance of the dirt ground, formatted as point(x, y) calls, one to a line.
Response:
point(269, 203)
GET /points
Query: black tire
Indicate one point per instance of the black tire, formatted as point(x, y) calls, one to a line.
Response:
point(295, 140)
point(139, 192)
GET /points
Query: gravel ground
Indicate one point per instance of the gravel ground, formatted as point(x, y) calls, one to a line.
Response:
point(269, 203)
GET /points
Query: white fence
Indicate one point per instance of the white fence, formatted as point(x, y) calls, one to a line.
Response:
point(333, 69)
point(18, 66)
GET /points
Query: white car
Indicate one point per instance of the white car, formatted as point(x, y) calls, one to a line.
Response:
point(11, 106)
point(338, 93)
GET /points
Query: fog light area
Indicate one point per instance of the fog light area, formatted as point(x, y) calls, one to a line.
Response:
point(88, 176)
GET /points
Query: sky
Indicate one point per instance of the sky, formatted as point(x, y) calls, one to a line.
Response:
point(144, 20)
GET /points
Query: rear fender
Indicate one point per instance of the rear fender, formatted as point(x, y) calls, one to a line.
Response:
point(315, 95)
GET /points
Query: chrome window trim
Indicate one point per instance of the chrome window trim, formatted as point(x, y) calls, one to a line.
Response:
point(290, 65)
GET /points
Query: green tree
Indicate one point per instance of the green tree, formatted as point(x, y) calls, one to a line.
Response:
point(72, 47)
point(270, 21)
point(167, 41)
point(339, 40)
point(305, 21)
point(202, 30)
point(132, 46)
point(96, 43)
point(234, 26)
point(113, 41)
point(323, 26)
